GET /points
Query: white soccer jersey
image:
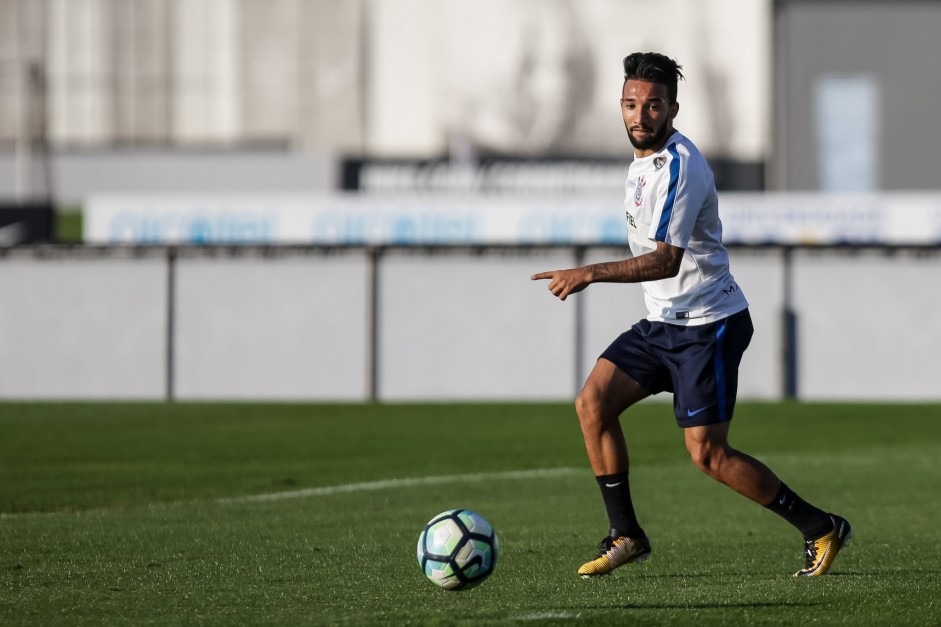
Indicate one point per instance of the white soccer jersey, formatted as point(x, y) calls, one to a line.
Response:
point(671, 197)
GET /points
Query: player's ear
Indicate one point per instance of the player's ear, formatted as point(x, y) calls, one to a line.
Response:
point(674, 109)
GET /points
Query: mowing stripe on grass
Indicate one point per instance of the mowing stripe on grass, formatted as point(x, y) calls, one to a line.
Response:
point(386, 484)
point(407, 482)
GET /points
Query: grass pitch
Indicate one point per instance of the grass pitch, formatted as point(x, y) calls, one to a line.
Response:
point(309, 514)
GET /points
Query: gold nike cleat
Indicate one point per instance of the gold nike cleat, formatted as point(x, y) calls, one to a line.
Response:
point(821, 553)
point(616, 552)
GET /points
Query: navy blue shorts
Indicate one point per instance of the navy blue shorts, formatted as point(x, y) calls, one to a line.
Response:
point(699, 364)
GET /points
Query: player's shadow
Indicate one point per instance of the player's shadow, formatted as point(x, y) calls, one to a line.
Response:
point(707, 606)
point(906, 572)
point(694, 575)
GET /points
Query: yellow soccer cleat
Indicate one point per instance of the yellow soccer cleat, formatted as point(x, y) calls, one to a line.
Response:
point(821, 553)
point(616, 552)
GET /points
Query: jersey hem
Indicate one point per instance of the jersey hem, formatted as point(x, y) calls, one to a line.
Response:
point(697, 321)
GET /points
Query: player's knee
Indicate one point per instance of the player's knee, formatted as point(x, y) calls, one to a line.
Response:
point(700, 459)
point(588, 406)
point(707, 458)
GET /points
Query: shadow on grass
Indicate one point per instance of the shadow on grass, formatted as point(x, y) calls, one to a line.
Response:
point(886, 573)
point(704, 606)
point(868, 574)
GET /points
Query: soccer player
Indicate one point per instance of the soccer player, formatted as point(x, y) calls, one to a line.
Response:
point(692, 341)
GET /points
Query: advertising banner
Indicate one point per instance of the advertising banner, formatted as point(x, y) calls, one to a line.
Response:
point(358, 219)
point(339, 219)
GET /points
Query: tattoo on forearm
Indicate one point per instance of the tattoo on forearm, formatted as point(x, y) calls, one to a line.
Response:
point(650, 267)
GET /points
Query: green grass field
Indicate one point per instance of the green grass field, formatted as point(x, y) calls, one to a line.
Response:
point(135, 514)
point(68, 225)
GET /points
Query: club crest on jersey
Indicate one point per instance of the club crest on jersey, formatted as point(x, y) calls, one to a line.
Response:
point(659, 162)
point(639, 190)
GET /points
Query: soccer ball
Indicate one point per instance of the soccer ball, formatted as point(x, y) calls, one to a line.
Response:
point(457, 549)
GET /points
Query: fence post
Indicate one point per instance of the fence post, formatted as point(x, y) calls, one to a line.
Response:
point(579, 253)
point(788, 330)
point(373, 253)
point(171, 321)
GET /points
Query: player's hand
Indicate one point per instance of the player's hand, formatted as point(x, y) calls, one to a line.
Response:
point(564, 282)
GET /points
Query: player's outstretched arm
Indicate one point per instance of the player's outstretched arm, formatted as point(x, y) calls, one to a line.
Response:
point(662, 263)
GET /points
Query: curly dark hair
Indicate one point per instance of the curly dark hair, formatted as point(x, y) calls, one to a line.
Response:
point(655, 68)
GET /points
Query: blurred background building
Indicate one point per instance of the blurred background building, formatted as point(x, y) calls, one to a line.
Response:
point(275, 94)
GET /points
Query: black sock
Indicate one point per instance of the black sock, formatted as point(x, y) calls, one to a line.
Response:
point(811, 521)
point(616, 491)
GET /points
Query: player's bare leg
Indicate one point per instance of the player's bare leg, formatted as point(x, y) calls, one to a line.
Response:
point(605, 396)
point(607, 393)
point(709, 449)
point(825, 534)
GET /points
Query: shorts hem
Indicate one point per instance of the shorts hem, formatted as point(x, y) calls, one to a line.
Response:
point(686, 423)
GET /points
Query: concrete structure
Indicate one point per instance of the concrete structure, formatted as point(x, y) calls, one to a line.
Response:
point(828, 94)
point(852, 85)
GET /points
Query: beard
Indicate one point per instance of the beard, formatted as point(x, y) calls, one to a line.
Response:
point(653, 140)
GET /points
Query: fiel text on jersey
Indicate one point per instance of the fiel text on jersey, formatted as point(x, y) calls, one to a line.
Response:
point(630, 219)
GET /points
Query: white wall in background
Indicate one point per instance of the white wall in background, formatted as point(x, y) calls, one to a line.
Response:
point(868, 326)
point(82, 328)
point(287, 328)
point(452, 325)
point(472, 328)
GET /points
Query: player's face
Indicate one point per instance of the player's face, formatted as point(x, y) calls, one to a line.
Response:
point(648, 115)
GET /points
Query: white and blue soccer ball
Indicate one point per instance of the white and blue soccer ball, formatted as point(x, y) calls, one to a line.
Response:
point(457, 549)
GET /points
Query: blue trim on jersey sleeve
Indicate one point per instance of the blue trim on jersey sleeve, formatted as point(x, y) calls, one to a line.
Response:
point(671, 194)
point(719, 366)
